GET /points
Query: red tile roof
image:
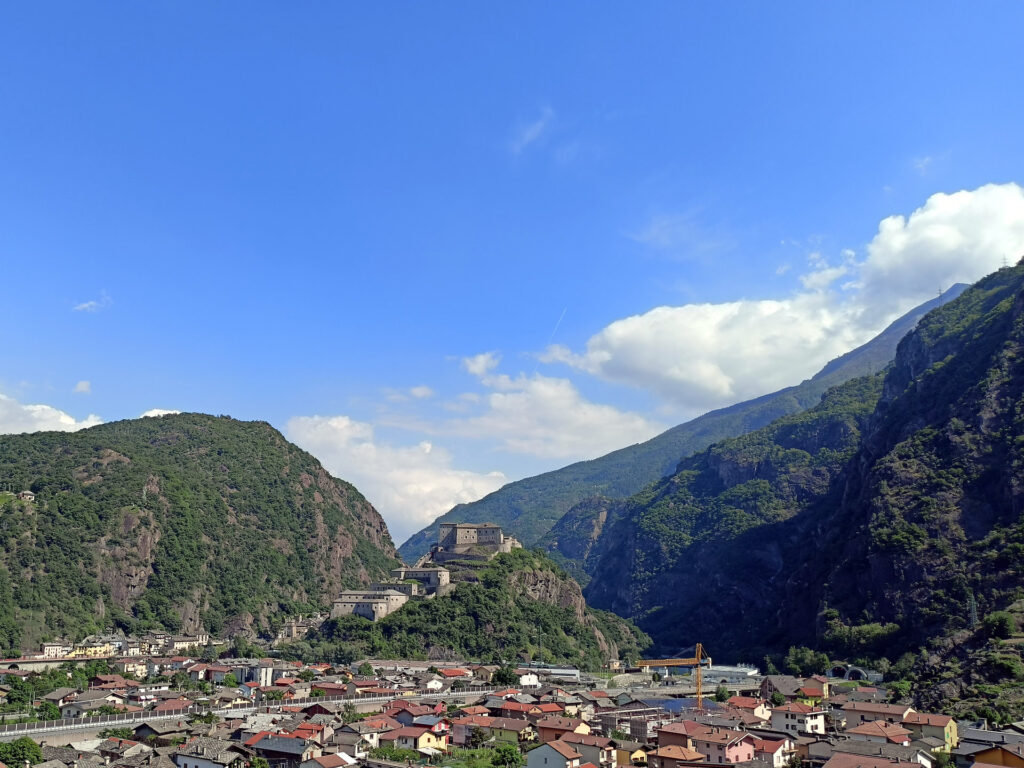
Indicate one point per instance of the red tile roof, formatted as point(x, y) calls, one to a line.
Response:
point(564, 750)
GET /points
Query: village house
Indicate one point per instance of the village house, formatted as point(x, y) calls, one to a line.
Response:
point(88, 701)
point(414, 737)
point(860, 712)
point(786, 686)
point(775, 752)
point(943, 727)
point(554, 754)
point(1008, 755)
point(553, 728)
point(204, 752)
point(795, 717)
point(337, 760)
point(597, 750)
point(160, 733)
point(679, 734)
point(757, 707)
point(673, 756)
point(630, 753)
point(820, 751)
point(843, 760)
point(56, 649)
point(113, 749)
point(513, 731)
point(724, 745)
point(463, 727)
point(283, 751)
point(880, 732)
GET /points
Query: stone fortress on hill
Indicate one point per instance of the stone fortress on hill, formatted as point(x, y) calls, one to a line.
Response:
point(470, 541)
point(467, 542)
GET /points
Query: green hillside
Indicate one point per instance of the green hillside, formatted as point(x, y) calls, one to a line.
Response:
point(529, 508)
point(177, 522)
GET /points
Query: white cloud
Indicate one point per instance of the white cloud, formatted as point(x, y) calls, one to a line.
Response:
point(482, 364)
point(421, 392)
point(16, 418)
point(83, 388)
point(410, 485)
point(531, 132)
point(952, 238)
point(703, 356)
point(94, 305)
point(156, 412)
point(548, 417)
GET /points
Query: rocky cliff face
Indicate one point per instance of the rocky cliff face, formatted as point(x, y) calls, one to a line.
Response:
point(177, 522)
point(934, 500)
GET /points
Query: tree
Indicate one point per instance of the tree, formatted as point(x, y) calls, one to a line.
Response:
point(721, 694)
point(48, 711)
point(230, 680)
point(306, 675)
point(507, 756)
point(116, 733)
point(477, 737)
point(365, 670)
point(259, 762)
point(999, 624)
point(778, 699)
point(505, 675)
point(349, 713)
point(16, 752)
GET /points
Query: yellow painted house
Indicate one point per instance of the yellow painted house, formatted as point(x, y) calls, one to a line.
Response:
point(414, 737)
point(942, 727)
point(630, 753)
point(92, 651)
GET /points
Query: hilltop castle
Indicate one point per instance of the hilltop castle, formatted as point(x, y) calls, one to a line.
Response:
point(457, 541)
point(471, 541)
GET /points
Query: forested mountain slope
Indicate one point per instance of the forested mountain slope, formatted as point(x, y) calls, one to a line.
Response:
point(176, 522)
point(529, 508)
point(701, 544)
point(875, 533)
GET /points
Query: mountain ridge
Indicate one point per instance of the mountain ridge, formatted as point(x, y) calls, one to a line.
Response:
point(530, 508)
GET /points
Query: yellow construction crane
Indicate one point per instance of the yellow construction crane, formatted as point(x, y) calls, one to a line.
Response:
point(697, 661)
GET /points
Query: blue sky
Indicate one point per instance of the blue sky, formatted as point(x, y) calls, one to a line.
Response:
point(446, 245)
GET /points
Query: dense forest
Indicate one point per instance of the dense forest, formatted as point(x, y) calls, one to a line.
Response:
point(176, 522)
